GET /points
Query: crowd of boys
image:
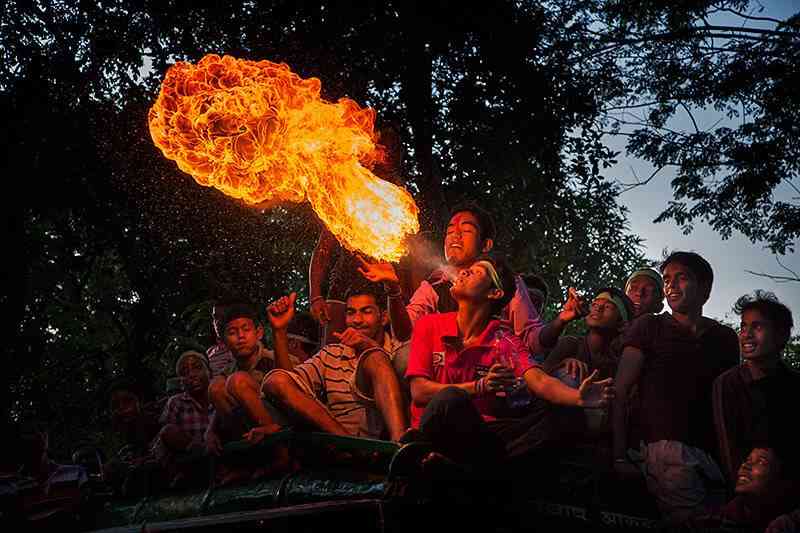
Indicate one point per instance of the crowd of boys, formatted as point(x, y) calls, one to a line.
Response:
point(465, 362)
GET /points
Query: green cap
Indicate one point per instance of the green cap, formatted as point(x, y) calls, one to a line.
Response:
point(647, 272)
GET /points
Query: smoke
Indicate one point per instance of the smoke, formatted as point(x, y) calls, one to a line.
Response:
point(425, 252)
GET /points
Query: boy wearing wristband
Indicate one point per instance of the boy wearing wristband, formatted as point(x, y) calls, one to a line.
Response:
point(455, 372)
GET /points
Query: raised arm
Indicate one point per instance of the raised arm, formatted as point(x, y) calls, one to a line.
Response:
point(317, 270)
point(385, 273)
point(573, 308)
point(590, 394)
point(281, 313)
point(524, 318)
point(401, 322)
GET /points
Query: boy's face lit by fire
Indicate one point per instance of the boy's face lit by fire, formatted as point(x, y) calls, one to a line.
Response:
point(474, 283)
point(363, 314)
point(462, 241)
point(242, 336)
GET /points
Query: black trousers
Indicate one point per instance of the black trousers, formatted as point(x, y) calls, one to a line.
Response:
point(456, 429)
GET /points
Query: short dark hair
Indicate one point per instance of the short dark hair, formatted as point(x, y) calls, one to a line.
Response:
point(507, 281)
point(240, 310)
point(619, 293)
point(697, 264)
point(368, 289)
point(768, 305)
point(485, 220)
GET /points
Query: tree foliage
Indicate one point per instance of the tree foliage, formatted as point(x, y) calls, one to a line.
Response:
point(117, 253)
point(678, 60)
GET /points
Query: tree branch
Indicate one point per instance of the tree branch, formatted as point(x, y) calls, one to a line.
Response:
point(724, 32)
point(792, 185)
point(688, 112)
point(760, 31)
point(793, 277)
point(632, 106)
point(648, 126)
point(776, 279)
point(638, 183)
point(750, 17)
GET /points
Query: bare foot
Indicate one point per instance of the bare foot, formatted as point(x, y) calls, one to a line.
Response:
point(257, 434)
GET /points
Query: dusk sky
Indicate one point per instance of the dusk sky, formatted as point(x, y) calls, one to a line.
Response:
point(729, 258)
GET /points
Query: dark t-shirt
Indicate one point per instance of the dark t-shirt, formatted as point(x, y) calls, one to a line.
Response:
point(577, 347)
point(677, 375)
point(750, 412)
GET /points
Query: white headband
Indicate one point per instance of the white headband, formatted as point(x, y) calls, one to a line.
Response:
point(492, 273)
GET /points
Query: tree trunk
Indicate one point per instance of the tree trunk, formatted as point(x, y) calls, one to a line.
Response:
point(417, 80)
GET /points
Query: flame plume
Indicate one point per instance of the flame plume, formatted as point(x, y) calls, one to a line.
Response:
point(258, 132)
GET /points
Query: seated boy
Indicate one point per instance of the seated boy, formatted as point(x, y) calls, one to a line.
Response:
point(347, 388)
point(134, 426)
point(759, 394)
point(240, 412)
point(461, 360)
point(187, 414)
point(599, 350)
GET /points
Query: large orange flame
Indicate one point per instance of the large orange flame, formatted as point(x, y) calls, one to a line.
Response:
point(258, 132)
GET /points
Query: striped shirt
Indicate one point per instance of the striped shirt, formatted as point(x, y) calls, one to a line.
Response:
point(331, 375)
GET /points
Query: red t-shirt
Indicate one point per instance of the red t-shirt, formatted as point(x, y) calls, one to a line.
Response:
point(437, 354)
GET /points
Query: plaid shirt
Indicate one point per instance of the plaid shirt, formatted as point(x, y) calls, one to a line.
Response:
point(188, 415)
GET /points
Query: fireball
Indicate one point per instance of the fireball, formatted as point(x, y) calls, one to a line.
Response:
point(259, 132)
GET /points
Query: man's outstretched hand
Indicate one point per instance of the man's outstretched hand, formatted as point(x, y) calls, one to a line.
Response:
point(594, 393)
point(377, 272)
